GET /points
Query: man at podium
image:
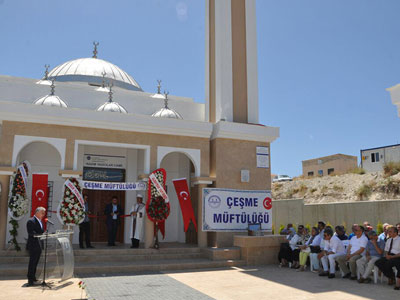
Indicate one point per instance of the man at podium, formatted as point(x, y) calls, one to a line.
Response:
point(34, 227)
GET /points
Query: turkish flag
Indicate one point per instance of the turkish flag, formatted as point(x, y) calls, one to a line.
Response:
point(182, 191)
point(39, 192)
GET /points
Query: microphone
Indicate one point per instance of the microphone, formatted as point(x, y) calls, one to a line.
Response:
point(47, 220)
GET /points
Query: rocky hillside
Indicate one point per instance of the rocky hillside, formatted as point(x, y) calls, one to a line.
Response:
point(340, 188)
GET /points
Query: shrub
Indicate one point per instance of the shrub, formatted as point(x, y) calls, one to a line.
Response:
point(391, 186)
point(379, 228)
point(337, 188)
point(277, 186)
point(391, 168)
point(313, 190)
point(289, 194)
point(324, 189)
point(281, 228)
point(308, 226)
point(364, 191)
point(359, 171)
point(302, 189)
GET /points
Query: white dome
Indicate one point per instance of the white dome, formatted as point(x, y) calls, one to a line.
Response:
point(51, 100)
point(112, 107)
point(167, 113)
point(91, 70)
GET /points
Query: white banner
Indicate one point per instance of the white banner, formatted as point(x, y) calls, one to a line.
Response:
point(24, 176)
point(234, 210)
point(75, 191)
point(114, 186)
point(159, 187)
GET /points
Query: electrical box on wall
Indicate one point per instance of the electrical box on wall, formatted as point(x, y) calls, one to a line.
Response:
point(245, 176)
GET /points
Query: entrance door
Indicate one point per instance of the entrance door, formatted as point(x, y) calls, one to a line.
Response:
point(97, 203)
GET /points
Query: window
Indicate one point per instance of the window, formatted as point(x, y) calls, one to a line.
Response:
point(375, 157)
point(330, 171)
point(310, 174)
point(321, 172)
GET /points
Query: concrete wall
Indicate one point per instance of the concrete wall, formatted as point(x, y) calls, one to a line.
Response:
point(296, 212)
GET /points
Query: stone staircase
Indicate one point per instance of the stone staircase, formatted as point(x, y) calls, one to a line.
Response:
point(105, 260)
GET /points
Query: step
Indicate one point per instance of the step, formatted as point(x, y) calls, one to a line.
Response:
point(232, 253)
point(20, 270)
point(141, 251)
point(135, 257)
point(109, 258)
point(155, 265)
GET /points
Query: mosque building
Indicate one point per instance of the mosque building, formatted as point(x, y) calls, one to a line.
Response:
point(90, 109)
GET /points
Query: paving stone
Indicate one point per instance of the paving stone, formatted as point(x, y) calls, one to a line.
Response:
point(139, 286)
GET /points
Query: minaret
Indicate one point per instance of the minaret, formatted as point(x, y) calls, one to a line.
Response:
point(231, 61)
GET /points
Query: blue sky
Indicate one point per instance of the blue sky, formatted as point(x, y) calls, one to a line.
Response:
point(323, 65)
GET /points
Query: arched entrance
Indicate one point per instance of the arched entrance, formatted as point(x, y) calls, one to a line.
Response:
point(177, 165)
point(43, 158)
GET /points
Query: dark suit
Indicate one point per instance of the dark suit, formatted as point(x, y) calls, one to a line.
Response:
point(33, 246)
point(112, 224)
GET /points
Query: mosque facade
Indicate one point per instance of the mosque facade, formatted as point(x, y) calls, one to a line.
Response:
point(90, 109)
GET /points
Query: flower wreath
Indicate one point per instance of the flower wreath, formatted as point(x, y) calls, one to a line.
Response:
point(70, 209)
point(157, 209)
point(18, 202)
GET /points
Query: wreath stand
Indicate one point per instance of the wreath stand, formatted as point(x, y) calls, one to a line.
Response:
point(156, 243)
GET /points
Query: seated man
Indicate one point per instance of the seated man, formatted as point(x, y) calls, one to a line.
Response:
point(357, 245)
point(341, 233)
point(288, 231)
point(383, 235)
point(391, 257)
point(353, 228)
point(285, 252)
point(398, 227)
point(374, 252)
point(333, 248)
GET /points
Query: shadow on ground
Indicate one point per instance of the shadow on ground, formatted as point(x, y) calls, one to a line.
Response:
point(312, 283)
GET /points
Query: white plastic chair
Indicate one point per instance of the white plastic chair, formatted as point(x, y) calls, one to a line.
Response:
point(375, 271)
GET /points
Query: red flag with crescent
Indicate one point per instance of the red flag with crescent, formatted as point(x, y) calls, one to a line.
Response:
point(182, 191)
point(39, 192)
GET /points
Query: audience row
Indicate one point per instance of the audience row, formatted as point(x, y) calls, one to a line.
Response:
point(355, 255)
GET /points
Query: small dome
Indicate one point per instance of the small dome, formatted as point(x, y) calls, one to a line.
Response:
point(112, 107)
point(166, 112)
point(51, 100)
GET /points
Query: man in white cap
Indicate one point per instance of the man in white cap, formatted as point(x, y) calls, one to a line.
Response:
point(138, 211)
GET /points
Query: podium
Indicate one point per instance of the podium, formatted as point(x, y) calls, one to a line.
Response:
point(57, 255)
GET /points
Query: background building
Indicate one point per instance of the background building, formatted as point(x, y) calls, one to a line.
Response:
point(327, 165)
point(373, 160)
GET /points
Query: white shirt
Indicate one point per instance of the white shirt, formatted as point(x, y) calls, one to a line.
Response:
point(358, 243)
point(115, 208)
point(334, 245)
point(293, 241)
point(40, 222)
point(395, 246)
point(315, 242)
